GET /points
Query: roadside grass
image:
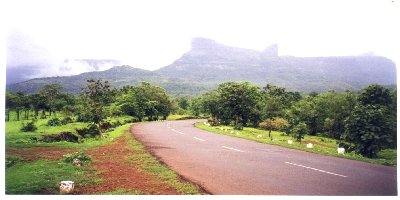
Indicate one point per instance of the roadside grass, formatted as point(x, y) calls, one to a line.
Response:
point(44, 177)
point(150, 165)
point(181, 117)
point(321, 145)
point(16, 138)
point(124, 192)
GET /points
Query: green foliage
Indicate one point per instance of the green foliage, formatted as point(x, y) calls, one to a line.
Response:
point(29, 127)
point(92, 130)
point(54, 122)
point(371, 125)
point(95, 96)
point(299, 131)
point(144, 100)
point(81, 155)
point(12, 160)
point(368, 130)
point(63, 136)
point(66, 120)
point(238, 126)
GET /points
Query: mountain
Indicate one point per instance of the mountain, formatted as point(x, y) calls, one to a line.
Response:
point(209, 63)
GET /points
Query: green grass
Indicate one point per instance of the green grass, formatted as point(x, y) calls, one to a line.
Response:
point(124, 192)
point(44, 176)
point(148, 164)
point(16, 138)
point(321, 145)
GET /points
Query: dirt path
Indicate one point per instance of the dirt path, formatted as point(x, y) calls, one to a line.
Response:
point(117, 173)
point(36, 153)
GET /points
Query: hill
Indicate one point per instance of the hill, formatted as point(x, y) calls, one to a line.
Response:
point(209, 63)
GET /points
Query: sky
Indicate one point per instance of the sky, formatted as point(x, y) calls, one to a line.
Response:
point(150, 34)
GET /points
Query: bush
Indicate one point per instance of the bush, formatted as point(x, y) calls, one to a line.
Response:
point(106, 125)
point(63, 136)
point(238, 126)
point(11, 160)
point(91, 131)
point(67, 120)
point(83, 118)
point(54, 122)
point(213, 122)
point(30, 126)
point(82, 156)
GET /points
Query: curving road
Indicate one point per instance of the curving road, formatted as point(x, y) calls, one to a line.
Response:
point(229, 165)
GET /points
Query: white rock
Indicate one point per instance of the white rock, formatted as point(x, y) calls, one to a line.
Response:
point(290, 141)
point(76, 162)
point(340, 150)
point(66, 187)
point(309, 145)
point(259, 136)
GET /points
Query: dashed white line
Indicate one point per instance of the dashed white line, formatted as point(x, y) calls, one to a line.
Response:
point(232, 149)
point(198, 139)
point(316, 169)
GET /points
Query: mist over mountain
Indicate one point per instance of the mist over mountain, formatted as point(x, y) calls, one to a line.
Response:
point(209, 63)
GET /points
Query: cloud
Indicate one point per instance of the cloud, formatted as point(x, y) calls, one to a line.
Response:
point(26, 60)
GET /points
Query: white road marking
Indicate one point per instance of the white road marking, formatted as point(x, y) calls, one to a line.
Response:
point(232, 149)
point(198, 139)
point(177, 131)
point(319, 170)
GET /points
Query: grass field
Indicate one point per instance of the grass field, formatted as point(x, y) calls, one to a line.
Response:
point(42, 176)
point(321, 145)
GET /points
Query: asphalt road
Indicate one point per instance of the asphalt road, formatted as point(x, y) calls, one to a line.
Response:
point(229, 165)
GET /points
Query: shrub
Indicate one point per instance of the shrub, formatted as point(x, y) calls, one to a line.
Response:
point(54, 122)
point(81, 155)
point(106, 125)
point(299, 131)
point(30, 126)
point(91, 131)
point(213, 122)
point(11, 160)
point(83, 118)
point(238, 126)
point(67, 120)
point(63, 136)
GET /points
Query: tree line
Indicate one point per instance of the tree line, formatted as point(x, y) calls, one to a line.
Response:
point(364, 122)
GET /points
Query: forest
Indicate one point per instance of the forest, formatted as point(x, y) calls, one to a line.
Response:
point(363, 122)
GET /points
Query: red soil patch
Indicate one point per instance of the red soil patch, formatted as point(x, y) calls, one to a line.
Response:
point(35, 153)
point(117, 172)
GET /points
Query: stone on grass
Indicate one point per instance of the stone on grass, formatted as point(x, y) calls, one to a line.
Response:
point(309, 145)
point(66, 187)
point(290, 141)
point(77, 162)
point(340, 150)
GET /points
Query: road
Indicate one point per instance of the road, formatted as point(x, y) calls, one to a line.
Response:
point(230, 165)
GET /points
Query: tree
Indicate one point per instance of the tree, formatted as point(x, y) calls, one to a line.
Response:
point(276, 123)
point(51, 93)
point(96, 95)
point(238, 100)
point(299, 131)
point(371, 125)
point(368, 129)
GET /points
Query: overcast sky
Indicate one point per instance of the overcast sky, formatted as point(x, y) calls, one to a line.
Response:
point(150, 34)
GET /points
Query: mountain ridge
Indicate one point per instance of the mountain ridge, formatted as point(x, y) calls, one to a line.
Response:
point(208, 63)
